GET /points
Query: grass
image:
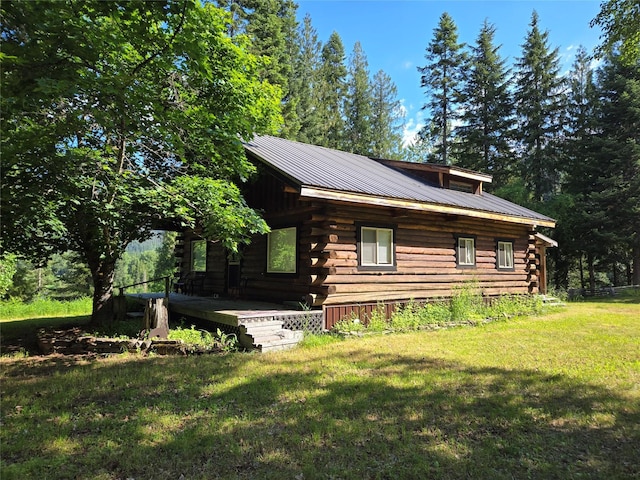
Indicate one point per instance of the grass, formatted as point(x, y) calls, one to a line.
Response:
point(552, 397)
point(17, 310)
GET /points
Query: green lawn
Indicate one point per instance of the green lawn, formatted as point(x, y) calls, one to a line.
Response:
point(552, 397)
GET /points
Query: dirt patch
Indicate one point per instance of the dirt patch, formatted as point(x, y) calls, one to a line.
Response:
point(74, 341)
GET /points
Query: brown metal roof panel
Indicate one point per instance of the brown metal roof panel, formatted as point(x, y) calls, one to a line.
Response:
point(315, 166)
point(327, 168)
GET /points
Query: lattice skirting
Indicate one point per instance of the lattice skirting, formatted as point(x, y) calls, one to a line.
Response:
point(309, 322)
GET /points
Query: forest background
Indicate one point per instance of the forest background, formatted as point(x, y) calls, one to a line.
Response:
point(567, 145)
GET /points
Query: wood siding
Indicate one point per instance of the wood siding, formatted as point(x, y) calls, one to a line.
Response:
point(328, 273)
point(425, 256)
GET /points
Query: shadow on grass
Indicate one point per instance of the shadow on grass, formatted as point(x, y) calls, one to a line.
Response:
point(22, 334)
point(377, 416)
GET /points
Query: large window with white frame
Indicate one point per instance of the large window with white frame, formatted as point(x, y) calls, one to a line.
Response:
point(198, 255)
point(281, 250)
point(505, 255)
point(466, 252)
point(376, 249)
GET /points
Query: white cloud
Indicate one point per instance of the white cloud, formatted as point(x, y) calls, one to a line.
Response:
point(411, 128)
point(407, 64)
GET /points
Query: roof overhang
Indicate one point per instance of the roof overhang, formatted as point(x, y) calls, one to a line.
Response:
point(314, 192)
point(435, 168)
point(546, 241)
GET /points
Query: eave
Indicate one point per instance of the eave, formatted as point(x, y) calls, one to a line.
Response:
point(326, 194)
point(430, 167)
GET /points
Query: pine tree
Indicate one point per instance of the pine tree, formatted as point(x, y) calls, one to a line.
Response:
point(617, 155)
point(357, 104)
point(270, 24)
point(582, 107)
point(305, 84)
point(442, 79)
point(331, 92)
point(573, 209)
point(387, 117)
point(487, 118)
point(539, 104)
point(290, 98)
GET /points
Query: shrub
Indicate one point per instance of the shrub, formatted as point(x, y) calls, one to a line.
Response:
point(223, 341)
point(466, 303)
point(349, 324)
point(407, 317)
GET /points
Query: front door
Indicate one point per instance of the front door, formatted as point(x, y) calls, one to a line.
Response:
point(233, 274)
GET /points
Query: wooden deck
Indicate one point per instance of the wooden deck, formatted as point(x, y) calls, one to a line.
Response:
point(259, 324)
point(221, 310)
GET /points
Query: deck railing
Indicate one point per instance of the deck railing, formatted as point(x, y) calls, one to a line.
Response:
point(167, 285)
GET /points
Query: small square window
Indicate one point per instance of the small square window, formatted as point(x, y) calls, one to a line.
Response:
point(199, 256)
point(282, 251)
point(466, 251)
point(505, 255)
point(376, 247)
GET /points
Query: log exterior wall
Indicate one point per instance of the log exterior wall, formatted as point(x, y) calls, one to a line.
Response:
point(328, 274)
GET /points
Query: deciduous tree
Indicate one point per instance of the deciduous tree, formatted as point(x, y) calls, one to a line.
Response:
point(119, 114)
point(620, 23)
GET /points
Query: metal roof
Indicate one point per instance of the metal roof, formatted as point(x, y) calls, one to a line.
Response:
point(330, 170)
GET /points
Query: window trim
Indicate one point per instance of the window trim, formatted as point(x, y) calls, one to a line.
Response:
point(472, 238)
point(511, 244)
point(460, 186)
point(192, 259)
point(376, 267)
point(267, 256)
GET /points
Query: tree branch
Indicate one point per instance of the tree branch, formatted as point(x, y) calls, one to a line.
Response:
point(159, 52)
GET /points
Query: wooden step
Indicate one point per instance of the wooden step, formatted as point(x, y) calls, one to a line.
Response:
point(266, 334)
point(549, 301)
point(290, 341)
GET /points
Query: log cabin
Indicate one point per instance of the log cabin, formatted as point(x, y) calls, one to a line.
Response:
point(349, 231)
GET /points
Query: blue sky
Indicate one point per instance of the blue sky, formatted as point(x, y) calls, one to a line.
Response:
point(395, 34)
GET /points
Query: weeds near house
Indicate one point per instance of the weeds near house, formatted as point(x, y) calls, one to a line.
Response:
point(227, 342)
point(466, 306)
point(221, 341)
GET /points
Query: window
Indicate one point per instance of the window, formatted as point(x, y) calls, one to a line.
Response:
point(466, 251)
point(281, 250)
point(460, 186)
point(376, 247)
point(505, 255)
point(199, 256)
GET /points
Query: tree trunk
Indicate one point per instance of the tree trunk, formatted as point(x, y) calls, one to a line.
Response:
point(592, 273)
point(581, 273)
point(103, 275)
point(636, 261)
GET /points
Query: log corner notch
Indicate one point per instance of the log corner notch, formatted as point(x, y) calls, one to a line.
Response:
point(532, 267)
